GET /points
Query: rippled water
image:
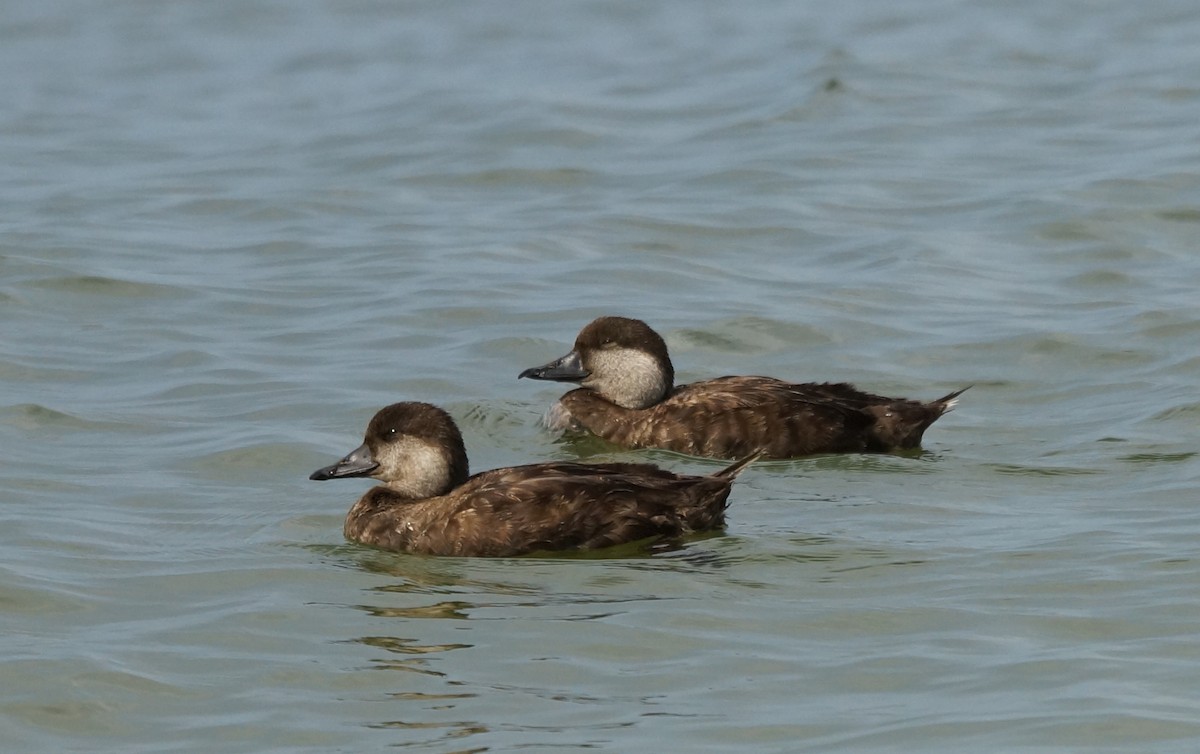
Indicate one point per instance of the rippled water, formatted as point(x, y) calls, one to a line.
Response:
point(231, 231)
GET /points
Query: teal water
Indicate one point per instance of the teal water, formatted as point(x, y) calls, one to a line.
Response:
point(231, 231)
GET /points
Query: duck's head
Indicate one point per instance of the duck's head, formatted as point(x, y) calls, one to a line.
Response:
point(415, 449)
point(622, 359)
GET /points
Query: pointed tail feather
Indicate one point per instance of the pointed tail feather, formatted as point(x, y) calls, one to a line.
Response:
point(730, 472)
point(949, 401)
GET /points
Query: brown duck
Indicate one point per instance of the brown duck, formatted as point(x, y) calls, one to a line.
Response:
point(628, 397)
point(428, 503)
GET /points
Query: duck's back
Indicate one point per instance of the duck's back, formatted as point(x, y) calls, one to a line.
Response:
point(730, 417)
point(552, 506)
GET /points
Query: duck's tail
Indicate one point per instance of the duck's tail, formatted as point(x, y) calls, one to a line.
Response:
point(948, 402)
point(901, 424)
point(730, 472)
point(708, 509)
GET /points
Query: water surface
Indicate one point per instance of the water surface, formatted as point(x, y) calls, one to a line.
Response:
point(232, 231)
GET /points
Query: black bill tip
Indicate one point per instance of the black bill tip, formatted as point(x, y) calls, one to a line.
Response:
point(358, 463)
point(567, 369)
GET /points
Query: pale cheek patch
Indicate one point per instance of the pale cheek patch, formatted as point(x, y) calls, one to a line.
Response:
point(628, 377)
point(414, 468)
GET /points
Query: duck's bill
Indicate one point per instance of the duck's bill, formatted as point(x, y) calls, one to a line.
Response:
point(358, 463)
point(567, 369)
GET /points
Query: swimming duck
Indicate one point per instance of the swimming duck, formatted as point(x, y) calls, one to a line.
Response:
point(628, 397)
point(428, 504)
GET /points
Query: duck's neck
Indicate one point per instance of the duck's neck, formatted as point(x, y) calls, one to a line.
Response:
point(378, 518)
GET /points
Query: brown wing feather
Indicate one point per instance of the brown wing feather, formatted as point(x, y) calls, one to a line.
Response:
point(554, 506)
point(730, 417)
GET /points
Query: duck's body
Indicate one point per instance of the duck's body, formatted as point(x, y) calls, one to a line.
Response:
point(729, 417)
point(546, 506)
point(429, 505)
point(628, 398)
